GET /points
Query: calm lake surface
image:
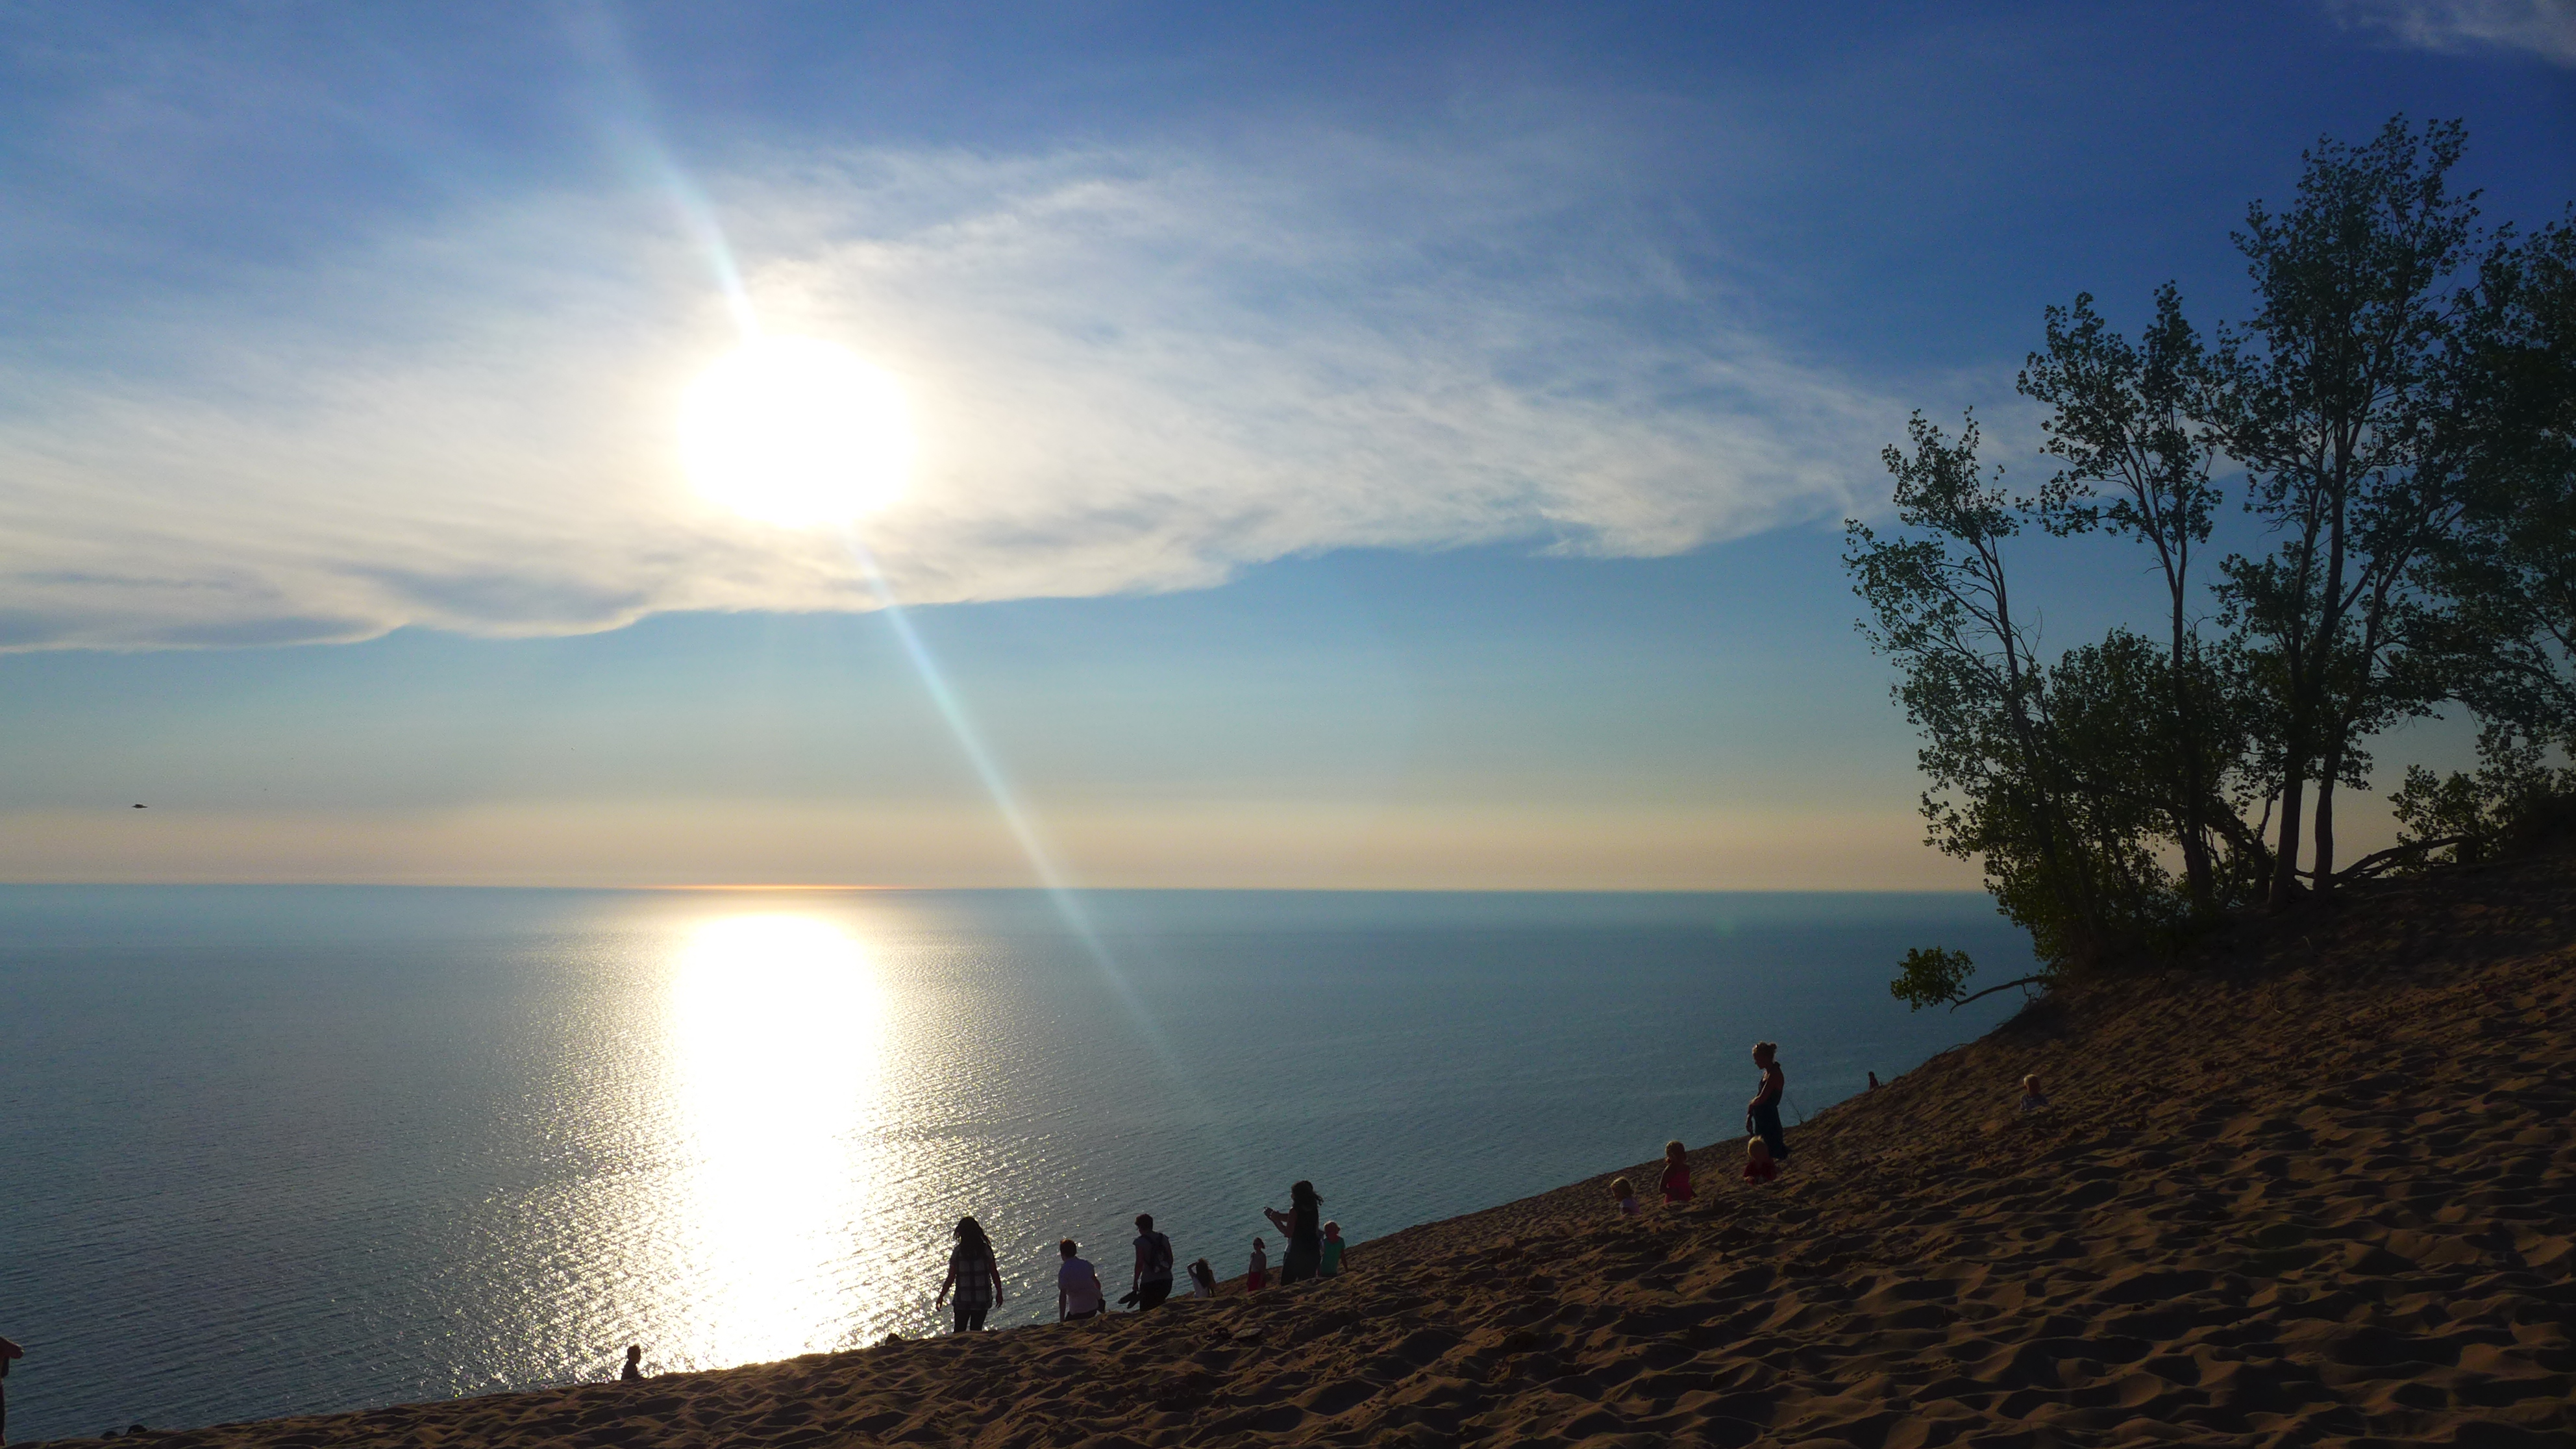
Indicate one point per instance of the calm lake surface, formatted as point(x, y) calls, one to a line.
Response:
point(267, 1151)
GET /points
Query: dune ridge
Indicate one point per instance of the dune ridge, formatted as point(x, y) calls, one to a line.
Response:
point(2313, 1190)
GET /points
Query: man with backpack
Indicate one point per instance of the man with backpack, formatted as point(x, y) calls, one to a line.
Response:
point(1153, 1277)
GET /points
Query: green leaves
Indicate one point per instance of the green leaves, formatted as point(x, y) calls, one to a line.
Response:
point(1932, 976)
point(2513, 800)
point(2504, 638)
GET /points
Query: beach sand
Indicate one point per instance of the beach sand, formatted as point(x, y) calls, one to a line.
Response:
point(2315, 1191)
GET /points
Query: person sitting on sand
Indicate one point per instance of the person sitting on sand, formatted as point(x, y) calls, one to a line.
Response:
point(1202, 1280)
point(1762, 1114)
point(1078, 1293)
point(1758, 1166)
point(1304, 1225)
point(1873, 1081)
point(1677, 1188)
point(634, 1370)
point(1152, 1279)
point(1257, 1277)
point(973, 1273)
point(1332, 1263)
point(2031, 1100)
point(1625, 1196)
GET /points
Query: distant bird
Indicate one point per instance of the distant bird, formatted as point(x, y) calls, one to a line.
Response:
point(139, 807)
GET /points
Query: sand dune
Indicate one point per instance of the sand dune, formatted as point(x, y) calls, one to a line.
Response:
point(2317, 1191)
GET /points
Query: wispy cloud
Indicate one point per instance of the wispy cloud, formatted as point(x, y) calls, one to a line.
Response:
point(1131, 371)
point(2546, 28)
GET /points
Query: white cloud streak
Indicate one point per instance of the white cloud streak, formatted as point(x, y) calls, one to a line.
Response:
point(2546, 28)
point(1130, 372)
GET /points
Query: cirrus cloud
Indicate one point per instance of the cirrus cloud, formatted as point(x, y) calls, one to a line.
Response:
point(1129, 371)
point(2546, 28)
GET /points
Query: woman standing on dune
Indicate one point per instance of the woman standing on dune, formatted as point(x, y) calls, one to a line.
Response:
point(974, 1275)
point(1304, 1225)
point(1762, 1114)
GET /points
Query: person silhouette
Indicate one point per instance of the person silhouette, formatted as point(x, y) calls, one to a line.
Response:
point(634, 1370)
point(1762, 1114)
point(1304, 1225)
point(8, 1351)
point(1078, 1294)
point(1152, 1278)
point(974, 1274)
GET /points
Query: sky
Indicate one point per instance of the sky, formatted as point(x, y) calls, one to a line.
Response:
point(1343, 445)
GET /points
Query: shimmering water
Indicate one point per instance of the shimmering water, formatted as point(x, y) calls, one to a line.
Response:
point(268, 1151)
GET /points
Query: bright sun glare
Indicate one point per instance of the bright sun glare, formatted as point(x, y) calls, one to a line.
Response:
point(796, 431)
point(777, 1022)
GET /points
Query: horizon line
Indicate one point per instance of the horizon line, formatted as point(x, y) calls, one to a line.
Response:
point(720, 887)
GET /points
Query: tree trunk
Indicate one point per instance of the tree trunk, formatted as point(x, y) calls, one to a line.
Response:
point(2195, 852)
point(2330, 616)
point(2294, 764)
point(2327, 771)
point(2035, 763)
point(2285, 871)
point(2194, 831)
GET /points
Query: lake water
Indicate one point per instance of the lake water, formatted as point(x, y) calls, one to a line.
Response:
point(279, 1150)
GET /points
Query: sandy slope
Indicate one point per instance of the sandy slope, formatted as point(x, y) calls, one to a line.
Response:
point(2318, 1192)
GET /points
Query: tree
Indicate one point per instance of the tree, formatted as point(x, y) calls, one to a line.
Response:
point(2508, 572)
point(2514, 801)
point(2122, 421)
point(2403, 408)
point(2505, 641)
point(1940, 604)
point(2332, 400)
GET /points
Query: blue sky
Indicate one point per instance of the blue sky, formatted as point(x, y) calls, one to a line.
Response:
point(1357, 445)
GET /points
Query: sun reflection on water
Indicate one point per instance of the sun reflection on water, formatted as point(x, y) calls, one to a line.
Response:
point(775, 1025)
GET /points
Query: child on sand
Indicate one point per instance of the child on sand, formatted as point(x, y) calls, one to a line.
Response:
point(1332, 1249)
point(1202, 1280)
point(1626, 1196)
point(1758, 1166)
point(634, 1369)
point(2031, 1100)
point(1677, 1188)
point(1078, 1293)
point(1257, 1277)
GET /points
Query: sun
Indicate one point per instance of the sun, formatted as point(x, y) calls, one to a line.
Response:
point(796, 431)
